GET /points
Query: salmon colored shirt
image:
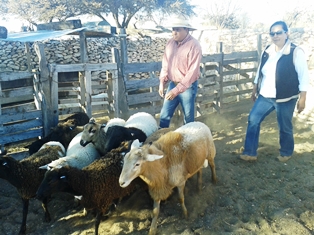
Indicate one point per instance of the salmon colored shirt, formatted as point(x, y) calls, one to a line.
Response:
point(181, 63)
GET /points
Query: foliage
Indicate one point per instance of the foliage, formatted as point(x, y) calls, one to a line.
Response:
point(298, 17)
point(122, 11)
point(223, 14)
point(35, 11)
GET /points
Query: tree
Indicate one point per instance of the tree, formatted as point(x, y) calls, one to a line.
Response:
point(122, 11)
point(36, 11)
point(296, 17)
point(223, 14)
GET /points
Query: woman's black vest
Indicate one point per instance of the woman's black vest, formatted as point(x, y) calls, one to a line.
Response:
point(287, 82)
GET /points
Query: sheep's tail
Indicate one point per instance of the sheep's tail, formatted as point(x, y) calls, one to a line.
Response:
point(205, 163)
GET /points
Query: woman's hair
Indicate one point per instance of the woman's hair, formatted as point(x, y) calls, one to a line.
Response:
point(282, 23)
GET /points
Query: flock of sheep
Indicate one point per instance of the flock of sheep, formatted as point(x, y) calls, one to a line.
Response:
point(102, 163)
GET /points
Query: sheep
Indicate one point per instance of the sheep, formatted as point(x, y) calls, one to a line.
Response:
point(97, 183)
point(76, 155)
point(63, 132)
point(169, 162)
point(94, 132)
point(138, 126)
point(26, 176)
point(78, 118)
point(143, 121)
point(157, 134)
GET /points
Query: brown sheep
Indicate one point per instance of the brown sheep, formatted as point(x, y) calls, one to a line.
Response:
point(168, 163)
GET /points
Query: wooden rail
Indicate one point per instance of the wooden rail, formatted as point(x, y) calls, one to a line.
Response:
point(29, 111)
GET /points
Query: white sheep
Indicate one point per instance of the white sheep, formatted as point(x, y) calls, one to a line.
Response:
point(142, 121)
point(138, 126)
point(114, 122)
point(62, 151)
point(76, 155)
point(169, 162)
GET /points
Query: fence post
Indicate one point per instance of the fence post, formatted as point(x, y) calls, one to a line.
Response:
point(28, 56)
point(2, 150)
point(123, 105)
point(219, 100)
point(84, 101)
point(50, 112)
point(259, 47)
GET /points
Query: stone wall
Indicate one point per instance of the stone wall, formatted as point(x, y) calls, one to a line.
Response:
point(141, 49)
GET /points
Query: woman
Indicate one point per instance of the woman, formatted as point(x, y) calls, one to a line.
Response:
point(281, 82)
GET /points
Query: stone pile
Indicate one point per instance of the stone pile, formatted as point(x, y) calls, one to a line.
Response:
point(141, 49)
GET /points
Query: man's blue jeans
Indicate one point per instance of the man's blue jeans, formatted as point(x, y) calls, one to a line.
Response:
point(262, 107)
point(187, 101)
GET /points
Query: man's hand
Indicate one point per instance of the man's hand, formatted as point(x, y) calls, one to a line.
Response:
point(161, 89)
point(170, 95)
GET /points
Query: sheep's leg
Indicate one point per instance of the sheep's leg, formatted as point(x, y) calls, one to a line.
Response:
point(25, 211)
point(45, 207)
point(153, 226)
point(181, 199)
point(199, 180)
point(213, 168)
point(97, 222)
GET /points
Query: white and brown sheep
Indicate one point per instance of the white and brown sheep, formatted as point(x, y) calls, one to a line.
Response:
point(64, 132)
point(168, 163)
point(138, 126)
point(98, 183)
point(26, 176)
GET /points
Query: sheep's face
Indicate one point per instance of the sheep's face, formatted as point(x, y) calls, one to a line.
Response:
point(90, 133)
point(55, 180)
point(132, 164)
point(4, 167)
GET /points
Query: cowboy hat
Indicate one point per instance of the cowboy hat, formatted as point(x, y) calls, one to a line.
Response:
point(180, 22)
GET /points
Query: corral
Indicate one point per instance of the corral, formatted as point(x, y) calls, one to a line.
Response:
point(266, 197)
point(32, 101)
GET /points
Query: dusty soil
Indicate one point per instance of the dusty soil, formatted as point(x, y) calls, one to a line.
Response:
point(264, 197)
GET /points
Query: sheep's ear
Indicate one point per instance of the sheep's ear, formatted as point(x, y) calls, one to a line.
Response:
point(92, 120)
point(153, 157)
point(136, 144)
point(45, 167)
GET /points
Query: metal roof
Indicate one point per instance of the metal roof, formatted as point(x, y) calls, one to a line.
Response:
point(40, 35)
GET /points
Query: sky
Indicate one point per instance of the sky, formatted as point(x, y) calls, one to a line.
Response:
point(266, 11)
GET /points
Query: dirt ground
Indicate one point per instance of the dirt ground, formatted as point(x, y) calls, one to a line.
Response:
point(264, 197)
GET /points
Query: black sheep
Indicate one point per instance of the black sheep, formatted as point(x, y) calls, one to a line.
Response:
point(64, 132)
point(26, 176)
point(97, 183)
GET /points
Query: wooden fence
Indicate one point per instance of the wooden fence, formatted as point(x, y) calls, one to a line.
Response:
point(225, 78)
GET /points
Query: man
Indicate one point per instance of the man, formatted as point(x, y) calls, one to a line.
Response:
point(181, 68)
